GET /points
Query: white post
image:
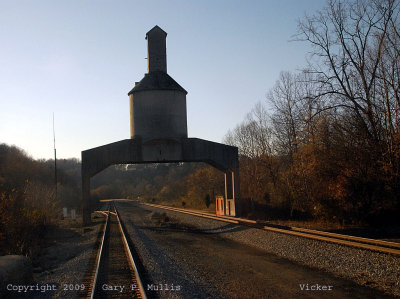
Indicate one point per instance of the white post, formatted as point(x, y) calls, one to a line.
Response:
point(73, 214)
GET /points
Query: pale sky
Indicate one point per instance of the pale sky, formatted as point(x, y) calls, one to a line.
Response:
point(79, 59)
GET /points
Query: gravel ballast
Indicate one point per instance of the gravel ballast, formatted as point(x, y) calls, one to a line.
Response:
point(64, 262)
point(374, 269)
point(167, 259)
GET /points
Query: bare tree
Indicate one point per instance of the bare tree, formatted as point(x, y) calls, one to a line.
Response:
point(253, 137)
point(285, 98)
point(348, 38)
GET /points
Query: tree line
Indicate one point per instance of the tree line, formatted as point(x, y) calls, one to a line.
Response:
point(326, 141)
point(179, 184)
point(28, 199)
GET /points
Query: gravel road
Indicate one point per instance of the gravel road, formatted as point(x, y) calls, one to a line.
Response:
point(201, 258)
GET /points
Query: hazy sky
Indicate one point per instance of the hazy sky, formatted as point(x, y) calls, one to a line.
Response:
point(79, 59)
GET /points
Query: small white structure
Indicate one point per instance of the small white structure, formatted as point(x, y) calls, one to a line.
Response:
point(65, 212)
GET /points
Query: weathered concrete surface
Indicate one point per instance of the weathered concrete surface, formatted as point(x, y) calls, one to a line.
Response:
point(158, 114)
point(14, 269)
point(132, 151)
point(157, 102)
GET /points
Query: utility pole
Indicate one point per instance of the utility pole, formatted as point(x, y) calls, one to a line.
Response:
point(55, 157)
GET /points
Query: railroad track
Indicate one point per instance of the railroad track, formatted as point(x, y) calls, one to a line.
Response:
point(113, 271)
point(346, 240)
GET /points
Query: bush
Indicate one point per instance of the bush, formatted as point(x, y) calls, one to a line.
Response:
point(23, 225)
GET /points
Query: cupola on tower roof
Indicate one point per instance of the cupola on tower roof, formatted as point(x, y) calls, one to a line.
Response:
point(156, 77)
point(156, 50)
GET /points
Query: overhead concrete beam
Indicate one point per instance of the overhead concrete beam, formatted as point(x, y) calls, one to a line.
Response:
point(133, 151)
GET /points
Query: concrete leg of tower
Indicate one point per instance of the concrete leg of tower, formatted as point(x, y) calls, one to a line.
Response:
point(132, 151)
point(86, 208)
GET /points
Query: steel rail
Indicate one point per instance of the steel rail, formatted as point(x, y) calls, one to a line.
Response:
point(204, 215)
point(351, 238)
point(130, 257)
point(347, 240)
point(98, 259)
point(335, 240)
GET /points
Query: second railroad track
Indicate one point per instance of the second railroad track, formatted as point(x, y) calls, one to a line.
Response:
point(346, 240)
